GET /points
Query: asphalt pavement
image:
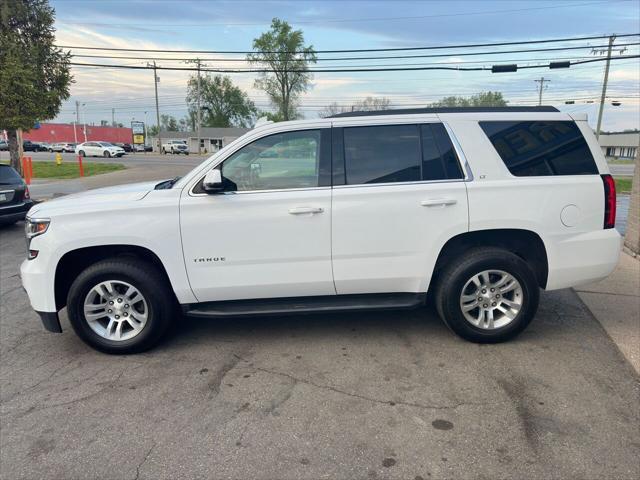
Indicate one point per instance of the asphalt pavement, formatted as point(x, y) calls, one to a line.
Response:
point(346, 396)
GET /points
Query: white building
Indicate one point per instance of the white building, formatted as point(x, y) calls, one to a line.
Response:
point(211, 139)
point(619, 145)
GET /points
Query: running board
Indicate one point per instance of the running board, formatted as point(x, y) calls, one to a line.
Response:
point(302, 305)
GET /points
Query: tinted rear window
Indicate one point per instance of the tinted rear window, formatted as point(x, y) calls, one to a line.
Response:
point(382, 154)
point(9, 176)
point(541, 148)
point(439, 160)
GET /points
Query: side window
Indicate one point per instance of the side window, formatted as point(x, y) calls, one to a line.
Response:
point(439, 159)
point(541, 148)
point(382, 154)
point(284, 160)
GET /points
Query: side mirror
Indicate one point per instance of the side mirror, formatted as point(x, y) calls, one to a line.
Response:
point(212, 182)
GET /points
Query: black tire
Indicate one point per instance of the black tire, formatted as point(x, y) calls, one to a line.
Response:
point(147, 279)
point(106, 154)
point(51, 150)
point(454, 277)
point(81, 153)
point(164, 152)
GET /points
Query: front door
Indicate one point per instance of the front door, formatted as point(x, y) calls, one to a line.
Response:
point(269, 235)
point(403, 197)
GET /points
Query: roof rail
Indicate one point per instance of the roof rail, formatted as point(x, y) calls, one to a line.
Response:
point(408, 111)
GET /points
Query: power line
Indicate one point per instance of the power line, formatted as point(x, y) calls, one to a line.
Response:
point(340, 70)
point(361, 50)
point(394, 57)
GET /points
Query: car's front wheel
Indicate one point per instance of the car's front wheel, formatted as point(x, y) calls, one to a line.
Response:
point(490, 295)
point(81, 153)
point(120, 305)
point(106, 154)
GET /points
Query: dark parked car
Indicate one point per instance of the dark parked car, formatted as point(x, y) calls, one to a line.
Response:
point(15, 200)
point(29, 146)
point(125, 146)
point(4, 145)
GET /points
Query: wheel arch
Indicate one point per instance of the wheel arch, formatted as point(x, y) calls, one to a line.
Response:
point(526, 244)
point(75, 261)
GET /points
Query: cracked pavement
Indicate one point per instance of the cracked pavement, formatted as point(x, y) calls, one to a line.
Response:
point(366, 395)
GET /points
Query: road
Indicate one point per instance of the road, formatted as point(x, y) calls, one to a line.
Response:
point(368, 395)
point(622, 170)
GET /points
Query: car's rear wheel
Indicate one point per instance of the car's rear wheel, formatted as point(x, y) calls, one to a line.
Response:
point(106, 154)
point(81, 153)
point(490, 295)
point(120, 305)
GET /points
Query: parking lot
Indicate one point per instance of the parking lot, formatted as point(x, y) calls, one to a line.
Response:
point(367, 395)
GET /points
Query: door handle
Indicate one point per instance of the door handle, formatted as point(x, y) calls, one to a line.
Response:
point(438, 202)
point(305, 210)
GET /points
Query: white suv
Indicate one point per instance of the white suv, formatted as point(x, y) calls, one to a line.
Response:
point(479, 208)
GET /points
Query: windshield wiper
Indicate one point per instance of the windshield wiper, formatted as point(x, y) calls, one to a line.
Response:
point(167, 184)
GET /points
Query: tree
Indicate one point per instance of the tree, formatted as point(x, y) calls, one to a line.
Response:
point(482, 99)
point(223, 103)
point(34, 73)
point(281, 50)
point(367, 105)
point(169, 123)
point(152, 131)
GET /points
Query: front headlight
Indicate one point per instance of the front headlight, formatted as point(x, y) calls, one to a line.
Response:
point(35, 226)
point(32, 228)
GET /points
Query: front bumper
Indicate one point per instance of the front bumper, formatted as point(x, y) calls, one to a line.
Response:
point(50, 321)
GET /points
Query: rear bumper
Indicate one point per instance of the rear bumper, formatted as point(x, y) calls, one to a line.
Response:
point(12, 213)
point(583, 258)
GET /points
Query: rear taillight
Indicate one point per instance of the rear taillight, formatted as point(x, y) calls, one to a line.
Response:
point(609, 201)
point(27, 195)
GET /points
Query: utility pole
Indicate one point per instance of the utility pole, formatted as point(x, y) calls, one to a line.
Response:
point(542, 81)
point(113, 117)
point(604, 84)
point(77, 112)
point(155, 84)
point(199, 113)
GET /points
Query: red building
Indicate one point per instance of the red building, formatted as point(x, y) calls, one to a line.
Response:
point(64, 132)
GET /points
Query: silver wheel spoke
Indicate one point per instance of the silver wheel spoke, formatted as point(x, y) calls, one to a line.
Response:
point(109, 330)
point(470, 306)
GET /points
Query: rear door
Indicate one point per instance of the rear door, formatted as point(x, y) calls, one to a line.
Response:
point(399, 194)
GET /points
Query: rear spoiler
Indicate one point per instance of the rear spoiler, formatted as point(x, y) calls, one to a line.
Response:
point(578, 117)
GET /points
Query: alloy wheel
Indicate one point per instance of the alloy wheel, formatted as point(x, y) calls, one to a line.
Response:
point(116, 310)
point(491, 299)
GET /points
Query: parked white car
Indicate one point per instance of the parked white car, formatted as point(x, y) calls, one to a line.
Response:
point(99, 149)
point(175, 146)
point(479, 208)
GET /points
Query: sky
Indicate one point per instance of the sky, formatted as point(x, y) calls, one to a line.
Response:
point(343, 24)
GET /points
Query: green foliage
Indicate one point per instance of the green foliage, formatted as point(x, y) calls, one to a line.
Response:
point(152, 130)
point(168, 123)
point(282, 50)
point(34, 74)
point(482, 99)
point(223, 104)
point(369, 104)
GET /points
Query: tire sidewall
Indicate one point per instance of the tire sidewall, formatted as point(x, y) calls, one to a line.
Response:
point(452, 313)
point(157, 320)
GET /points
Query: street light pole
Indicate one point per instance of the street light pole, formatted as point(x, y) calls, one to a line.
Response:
point(604, 85)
